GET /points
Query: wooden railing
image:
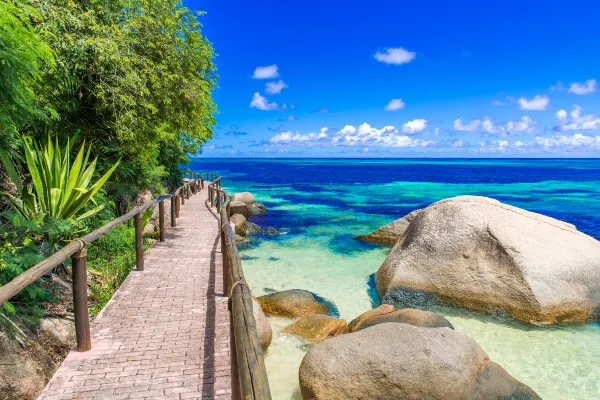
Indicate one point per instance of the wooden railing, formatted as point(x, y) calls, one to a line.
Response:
point(76, 249)
point(248, 372)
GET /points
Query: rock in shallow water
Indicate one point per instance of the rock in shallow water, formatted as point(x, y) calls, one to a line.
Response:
point(244, 197)
point(237, 207)
point(357, 322)
point(265, 332)
point(399, 361)
point(392, 232)
point(411, 316)
point(293, 303)
point(241, 224)
point(253, 229)
point(484, 255)
point(257, 209)
point(317, 327)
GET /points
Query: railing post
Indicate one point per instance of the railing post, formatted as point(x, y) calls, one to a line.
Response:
point(177, 205)
point(201, 182)
point(173, 211)
point(139, 243)
point(226, 270)
point(218, 201)
point(80, 300)
point(182, 195)
point(161, 221)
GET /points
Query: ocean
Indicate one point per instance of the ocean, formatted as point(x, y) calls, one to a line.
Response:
point(320, 205)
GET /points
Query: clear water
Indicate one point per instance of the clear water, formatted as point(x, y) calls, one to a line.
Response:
point(320, 205)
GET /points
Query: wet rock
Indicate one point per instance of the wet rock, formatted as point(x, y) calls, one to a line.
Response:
point(400, 361)
point(253, 229)
point(390, 234)
point(257, 209)
point(293, 303)
point(411, 316)
point(317, 327)
point(241, 224)
point(271, 231)
point(358, 322)
point(487, 256)
point(265, 332)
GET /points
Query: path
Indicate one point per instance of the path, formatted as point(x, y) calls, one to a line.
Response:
point(164, 334)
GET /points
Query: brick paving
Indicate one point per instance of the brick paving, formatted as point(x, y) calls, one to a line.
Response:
point(165, 333)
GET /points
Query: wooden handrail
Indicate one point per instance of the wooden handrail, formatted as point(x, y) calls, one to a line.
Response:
point(76, 250)
point(248, 372)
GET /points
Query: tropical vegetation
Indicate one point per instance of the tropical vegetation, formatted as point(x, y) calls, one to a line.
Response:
point(98, 101)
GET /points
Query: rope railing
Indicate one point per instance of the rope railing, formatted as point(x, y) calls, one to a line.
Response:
point(76, 250)
point(248, 372)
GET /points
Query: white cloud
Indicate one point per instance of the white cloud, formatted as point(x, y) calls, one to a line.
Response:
point(395, 104)
point(555, 143)
point(262, 103)
point(537, 103)
point(498, 102)
point(275, 87)
point(414, 126)
point(576, 121)
point(363, 135)
point(298, 138)
point(291, 118)
point(586, 87)
point(267, 72)
point(525, 124)
point(457, 144)
point(396, 56)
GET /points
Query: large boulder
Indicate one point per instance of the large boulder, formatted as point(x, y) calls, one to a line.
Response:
point(241, 224)
point(392, 232)
point(245, 197)
point(484, 255)
point(399, 361)
point(293, 303)
point(359, 321)
point(265, 332)
point(238, 207)
point(411, 316)
point(317, 327)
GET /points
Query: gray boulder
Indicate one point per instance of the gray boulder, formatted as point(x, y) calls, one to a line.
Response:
point(257, 209)
point(241, 224)
point(411, 316)
point(392, 232)
point(399, 361)
point(270, 231)
point(237, 207)
point(484, 255)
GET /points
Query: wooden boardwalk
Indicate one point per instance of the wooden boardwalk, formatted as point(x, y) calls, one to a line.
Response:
point(165, 333)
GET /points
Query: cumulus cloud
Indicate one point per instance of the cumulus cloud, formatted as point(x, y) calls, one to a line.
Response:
point(363, 135)
point(275, 87)
point(268, 72)
point(396, 56)
point(395, 104)
point(586, 87)
point(261, 103)
point(555, 143)
point(575, 120)
point(538, 103)
point(414, 126)
point(524, 125)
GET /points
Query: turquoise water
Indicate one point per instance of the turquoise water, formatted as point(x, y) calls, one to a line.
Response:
point(320, 205)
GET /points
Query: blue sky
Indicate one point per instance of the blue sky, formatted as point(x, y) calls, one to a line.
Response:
point(405, 79)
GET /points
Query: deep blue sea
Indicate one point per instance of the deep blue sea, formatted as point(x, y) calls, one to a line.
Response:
point(320, 205)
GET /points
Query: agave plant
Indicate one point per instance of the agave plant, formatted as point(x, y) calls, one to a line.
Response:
point(60, 188)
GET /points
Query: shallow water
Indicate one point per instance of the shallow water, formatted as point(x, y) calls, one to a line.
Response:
point(320, 205)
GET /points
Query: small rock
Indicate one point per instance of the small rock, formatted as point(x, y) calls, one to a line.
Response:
point(357, 322)
point(257, 209)
point(292, 303)
point(241, 224)
point(265, 333)
point(392, 232)
point(411, 316)
point(238, 207)
point(62, 330)
point(239, 239)
point(271, 231)
point(253, 229)
point(316, 327)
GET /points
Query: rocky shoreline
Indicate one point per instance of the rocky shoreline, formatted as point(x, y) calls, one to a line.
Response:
point(469, 251)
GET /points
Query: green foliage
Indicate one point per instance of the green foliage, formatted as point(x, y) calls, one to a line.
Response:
point(60, 188)
point(23, 54)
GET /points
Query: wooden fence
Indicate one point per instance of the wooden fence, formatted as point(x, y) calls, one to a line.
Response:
point(248, 374)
